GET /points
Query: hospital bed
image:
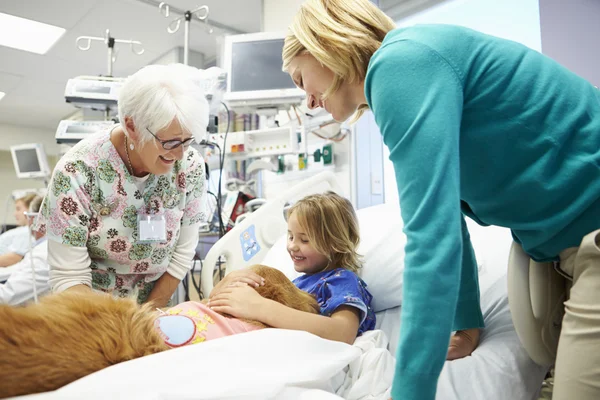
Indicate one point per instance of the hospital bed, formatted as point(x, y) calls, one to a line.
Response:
point(284, 364)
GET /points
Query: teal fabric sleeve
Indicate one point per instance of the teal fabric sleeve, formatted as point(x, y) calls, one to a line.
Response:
point(419, 115)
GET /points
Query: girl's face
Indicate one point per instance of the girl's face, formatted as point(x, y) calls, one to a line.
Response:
point(20, 209)
point(305, 257)
point(312, 77)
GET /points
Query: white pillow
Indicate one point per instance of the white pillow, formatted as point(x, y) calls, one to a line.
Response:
point(382, 247)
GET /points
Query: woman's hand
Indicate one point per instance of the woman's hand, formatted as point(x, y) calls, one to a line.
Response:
point(238, 300)
point(463, 343)
point(246, 276)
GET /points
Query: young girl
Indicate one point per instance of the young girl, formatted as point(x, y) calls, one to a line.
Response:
point(322, 241)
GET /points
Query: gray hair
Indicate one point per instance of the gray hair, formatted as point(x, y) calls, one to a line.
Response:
point(157, 94)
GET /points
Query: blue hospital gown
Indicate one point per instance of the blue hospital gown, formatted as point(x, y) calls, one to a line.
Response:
point(339, 287)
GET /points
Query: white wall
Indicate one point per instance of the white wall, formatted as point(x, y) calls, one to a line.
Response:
point(278, 14)
point(517, 20)
point(13, 135)
point(570, 32)
point(9, 181)
point(175, 55)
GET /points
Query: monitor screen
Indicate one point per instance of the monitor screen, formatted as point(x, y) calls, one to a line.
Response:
point(27, 160)
point(256, 65)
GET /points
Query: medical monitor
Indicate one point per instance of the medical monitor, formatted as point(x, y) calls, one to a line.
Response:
point(253, 63)
point(30, 161)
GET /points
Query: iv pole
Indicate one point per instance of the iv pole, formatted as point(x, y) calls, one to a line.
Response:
point(112, 57)
point(187, 17)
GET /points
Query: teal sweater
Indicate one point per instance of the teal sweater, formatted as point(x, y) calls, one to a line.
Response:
point(484, 127)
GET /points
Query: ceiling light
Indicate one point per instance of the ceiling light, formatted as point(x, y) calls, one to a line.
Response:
point(2, 95)
point(25, 34)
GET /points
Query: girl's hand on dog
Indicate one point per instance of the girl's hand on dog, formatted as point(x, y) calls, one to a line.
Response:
point(238, 300)
point(246, 276)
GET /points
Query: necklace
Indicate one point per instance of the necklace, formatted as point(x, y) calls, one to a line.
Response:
point(128, 160)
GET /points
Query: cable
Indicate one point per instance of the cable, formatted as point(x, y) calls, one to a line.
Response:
point(297, 115)
point(30, 230)
point(213, 195)
point(338, 137)
point(219, 195)
point(220, 218)
point(197, 285)
point(218, 210)
point(222, 230)
point(185, 284)
point(224, 150)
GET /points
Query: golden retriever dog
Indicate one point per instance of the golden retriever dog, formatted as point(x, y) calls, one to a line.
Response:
point(70, 335)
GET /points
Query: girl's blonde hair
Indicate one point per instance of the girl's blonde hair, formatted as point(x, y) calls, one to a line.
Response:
point(341, 34)
point(330, 223)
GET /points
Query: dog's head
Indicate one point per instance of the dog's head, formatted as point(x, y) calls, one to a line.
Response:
point(279, 288)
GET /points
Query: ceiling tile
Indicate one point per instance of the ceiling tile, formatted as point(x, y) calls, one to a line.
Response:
point(9, 81)
point(63, 13)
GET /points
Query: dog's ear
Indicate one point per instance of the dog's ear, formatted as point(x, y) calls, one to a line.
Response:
point(279, 288)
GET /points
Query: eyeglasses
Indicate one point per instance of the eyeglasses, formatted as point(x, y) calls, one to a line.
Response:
point(173, 144)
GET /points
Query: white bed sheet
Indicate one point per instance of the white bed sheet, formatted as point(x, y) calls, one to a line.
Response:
point(263, 364)
point(284, 364)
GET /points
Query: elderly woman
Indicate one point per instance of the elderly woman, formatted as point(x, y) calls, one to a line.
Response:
point(476, 126)
point(123, 207)
point(15, 242)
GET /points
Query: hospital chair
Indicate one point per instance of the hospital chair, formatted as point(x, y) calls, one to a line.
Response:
point(536, 296)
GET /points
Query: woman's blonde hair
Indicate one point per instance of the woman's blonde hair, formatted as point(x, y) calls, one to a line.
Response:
point(330, 223)
point(341, 34)
point(27, 199)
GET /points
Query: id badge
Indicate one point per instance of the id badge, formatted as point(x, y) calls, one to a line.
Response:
point(152, 228)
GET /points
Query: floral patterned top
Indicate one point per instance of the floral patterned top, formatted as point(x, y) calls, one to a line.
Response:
point(93, 201)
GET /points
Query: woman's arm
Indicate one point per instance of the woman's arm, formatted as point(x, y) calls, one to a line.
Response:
point(423, 135)
point(69, 267)
point(8, 259)
point(242, 301)
point(163, 290)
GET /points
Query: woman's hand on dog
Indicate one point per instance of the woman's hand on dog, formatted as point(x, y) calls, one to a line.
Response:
point(246, 276)
point(238, 300)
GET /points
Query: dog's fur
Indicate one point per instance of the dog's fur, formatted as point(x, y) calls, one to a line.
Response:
point(70, 335)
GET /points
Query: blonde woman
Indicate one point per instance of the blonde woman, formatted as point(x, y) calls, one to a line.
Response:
point(322, 241)
point(476, 126)
point(15, 242)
